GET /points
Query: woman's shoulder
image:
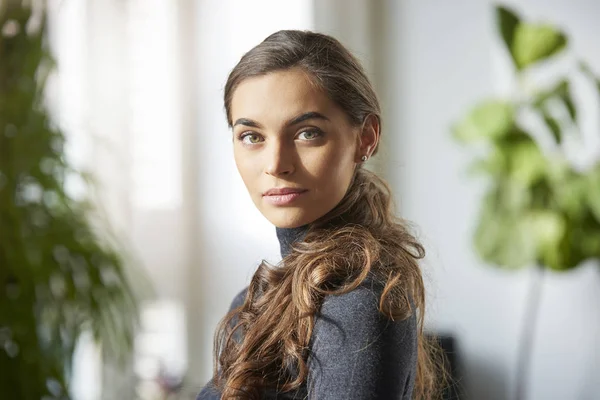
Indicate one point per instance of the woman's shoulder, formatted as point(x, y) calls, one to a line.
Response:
point(359, 309)
point(360, 305)
point(350, 331)
point(366, 296)
point(238, 300)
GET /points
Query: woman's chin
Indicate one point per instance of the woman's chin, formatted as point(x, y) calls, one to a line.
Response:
point(288, 218)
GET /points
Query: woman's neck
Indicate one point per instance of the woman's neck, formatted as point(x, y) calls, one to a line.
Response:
point(288, 236)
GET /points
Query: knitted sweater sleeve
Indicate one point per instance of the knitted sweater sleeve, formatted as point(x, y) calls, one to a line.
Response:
point(357, 353)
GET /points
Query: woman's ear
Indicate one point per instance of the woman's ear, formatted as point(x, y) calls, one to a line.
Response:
point(368, 138)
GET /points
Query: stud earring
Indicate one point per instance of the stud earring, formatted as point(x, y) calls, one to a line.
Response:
point(364, 158)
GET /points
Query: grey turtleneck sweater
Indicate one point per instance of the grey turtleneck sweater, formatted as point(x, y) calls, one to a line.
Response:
point(355, 352)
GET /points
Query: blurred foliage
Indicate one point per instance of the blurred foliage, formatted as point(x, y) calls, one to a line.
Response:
point(538, 209)
point(60, 274)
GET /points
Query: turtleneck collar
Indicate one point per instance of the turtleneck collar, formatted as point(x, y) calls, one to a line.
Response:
point(288, 236)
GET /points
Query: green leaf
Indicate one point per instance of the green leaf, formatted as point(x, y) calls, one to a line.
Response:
point(507, 22)
point(548, 228)
point(524, 160)
point(515, 196)
point(558, 253)
point(553, 126)
point(536, 42)
point(568, 101)
point(570, 194)
point(555, 91)
point(561, 92)
point(558, 169)
point(503, 237)
point(492, 165)
point(586, 239)
point(593, 192)
point(491, 119)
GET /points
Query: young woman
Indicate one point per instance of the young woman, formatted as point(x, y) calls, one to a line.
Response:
point(340, 317)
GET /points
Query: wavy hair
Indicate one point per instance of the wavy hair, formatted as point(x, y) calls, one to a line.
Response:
point(263, 343)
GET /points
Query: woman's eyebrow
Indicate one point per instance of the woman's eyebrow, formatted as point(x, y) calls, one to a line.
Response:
point(294, 121)
point(247, 122)
point(306, 116)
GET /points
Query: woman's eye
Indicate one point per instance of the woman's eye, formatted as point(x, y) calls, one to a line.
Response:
point(250, 138)
point(310, 135)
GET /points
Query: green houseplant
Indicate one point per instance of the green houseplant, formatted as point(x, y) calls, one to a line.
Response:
point(539, 209)
point(60, 273)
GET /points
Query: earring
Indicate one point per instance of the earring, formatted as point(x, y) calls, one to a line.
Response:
point(364, 158)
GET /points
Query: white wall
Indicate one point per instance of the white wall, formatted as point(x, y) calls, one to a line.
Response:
point(442, 60)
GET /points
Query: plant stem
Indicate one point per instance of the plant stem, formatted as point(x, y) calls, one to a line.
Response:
point(530, 319)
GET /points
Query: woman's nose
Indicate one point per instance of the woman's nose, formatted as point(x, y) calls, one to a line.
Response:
point(280, 159)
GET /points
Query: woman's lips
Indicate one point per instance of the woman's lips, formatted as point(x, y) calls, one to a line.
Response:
point(283, 199)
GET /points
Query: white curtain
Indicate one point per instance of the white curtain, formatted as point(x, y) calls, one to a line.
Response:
point(116, 95)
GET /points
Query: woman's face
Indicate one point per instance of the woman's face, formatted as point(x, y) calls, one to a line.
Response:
point(295, 149)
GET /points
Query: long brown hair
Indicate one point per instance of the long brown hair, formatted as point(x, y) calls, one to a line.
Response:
point(258, 343)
